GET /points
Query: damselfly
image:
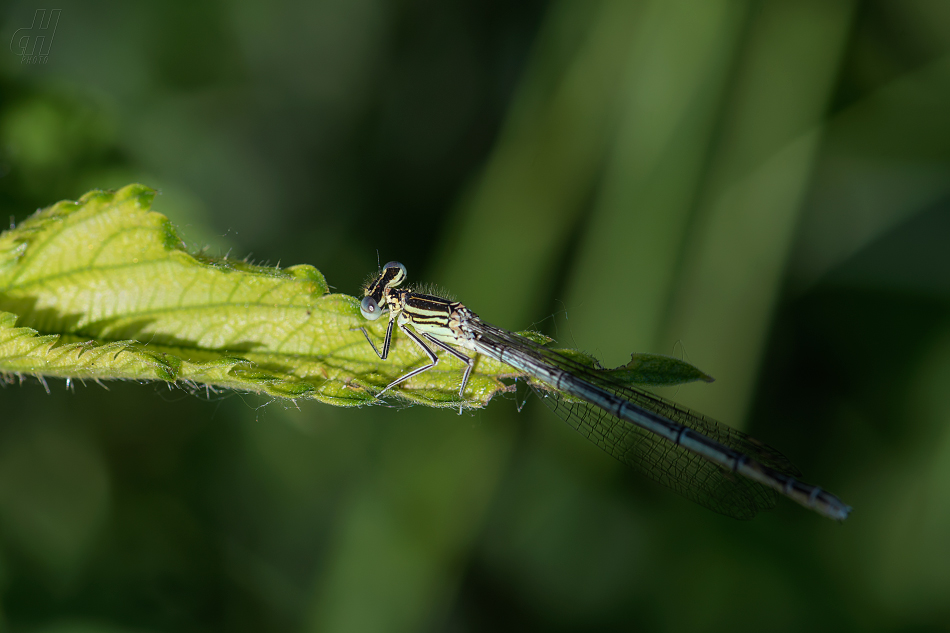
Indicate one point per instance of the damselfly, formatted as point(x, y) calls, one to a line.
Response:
point(705, 461)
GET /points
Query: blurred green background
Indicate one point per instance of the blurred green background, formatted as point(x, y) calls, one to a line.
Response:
point(762, 188)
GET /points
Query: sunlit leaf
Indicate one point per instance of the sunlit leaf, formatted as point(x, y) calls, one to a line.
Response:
point(102, 288)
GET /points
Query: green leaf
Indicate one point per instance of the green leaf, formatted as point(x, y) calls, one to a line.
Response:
point(655, 370)
point(643, 370)
point(102, 288)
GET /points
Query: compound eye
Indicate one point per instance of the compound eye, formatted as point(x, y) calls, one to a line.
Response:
point(370, 309)
point(399, 276)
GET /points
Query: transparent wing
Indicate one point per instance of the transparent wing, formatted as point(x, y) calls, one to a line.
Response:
point(684, 472)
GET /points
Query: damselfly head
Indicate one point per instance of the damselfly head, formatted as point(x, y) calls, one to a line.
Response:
point(395, 273)
point(373, 305)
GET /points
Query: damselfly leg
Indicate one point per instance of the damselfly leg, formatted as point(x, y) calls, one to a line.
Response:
point(433, 359)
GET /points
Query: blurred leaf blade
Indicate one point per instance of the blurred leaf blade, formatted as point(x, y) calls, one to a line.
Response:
point(755, 184)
